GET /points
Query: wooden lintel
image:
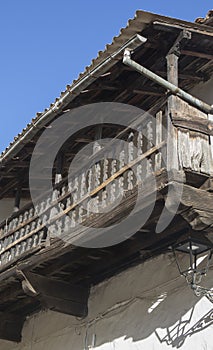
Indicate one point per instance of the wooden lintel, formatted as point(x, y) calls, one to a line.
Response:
point(192, 122)
point(11, 326)
point(56, 295)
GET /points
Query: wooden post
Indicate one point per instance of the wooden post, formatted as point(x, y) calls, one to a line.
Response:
point(17, 199)
point(159, 138)
point(59, 166)
point(98, 135)
point(211, 149)
point(172, 149)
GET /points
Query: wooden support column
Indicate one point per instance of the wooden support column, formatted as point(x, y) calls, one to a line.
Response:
point(172, 77)
point(172, 150)
point(98, 135)
point(211, 145)
point(59, 167)
point(17, 199)
point(56, 295)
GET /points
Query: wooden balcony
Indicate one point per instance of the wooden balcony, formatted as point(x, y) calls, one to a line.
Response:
point(186, 150)
point(42, 264)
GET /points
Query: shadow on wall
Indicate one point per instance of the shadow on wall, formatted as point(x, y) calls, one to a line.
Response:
point(177, 335)
point(172, 329)
point(148, 307)
point(164, 316)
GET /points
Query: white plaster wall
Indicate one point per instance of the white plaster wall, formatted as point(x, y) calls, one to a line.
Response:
point(204, 91)
point(123, 315)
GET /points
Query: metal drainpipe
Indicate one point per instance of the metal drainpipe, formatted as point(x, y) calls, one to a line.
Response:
point(167, 85)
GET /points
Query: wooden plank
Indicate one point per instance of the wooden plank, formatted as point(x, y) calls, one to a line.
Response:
point(159, 138)
point(183, 108)
point(185, 76)
point(148, 91)
point(184, 149)
point(206, 164)
point(192, 122)
point(194, 151)
point(211, 148)
point(198, 206)
point(194, 130)
point(197, 54)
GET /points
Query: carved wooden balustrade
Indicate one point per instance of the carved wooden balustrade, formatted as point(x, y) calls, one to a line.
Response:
point(149, 151)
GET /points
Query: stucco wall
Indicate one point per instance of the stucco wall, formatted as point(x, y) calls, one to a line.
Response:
point(123, 316)
point(204, 91)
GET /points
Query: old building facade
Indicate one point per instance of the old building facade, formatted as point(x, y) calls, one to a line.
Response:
point(63, 284)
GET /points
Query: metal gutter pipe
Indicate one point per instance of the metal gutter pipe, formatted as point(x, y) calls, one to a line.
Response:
point(133, 43)
point(167, 85)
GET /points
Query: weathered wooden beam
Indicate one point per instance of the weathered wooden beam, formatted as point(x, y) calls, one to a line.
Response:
point(186, 76)
point(197, 54)
point(11, 326)
point(198, 205)
point(172, 150)
point(197, 28)
point(148, 91)
point(59, 167)
point(56, 295)
point(17, 199)
point(192, 122)
point(5, 175)
point(17, 164)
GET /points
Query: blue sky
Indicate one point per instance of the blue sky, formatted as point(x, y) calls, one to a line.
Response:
point(45, 44)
